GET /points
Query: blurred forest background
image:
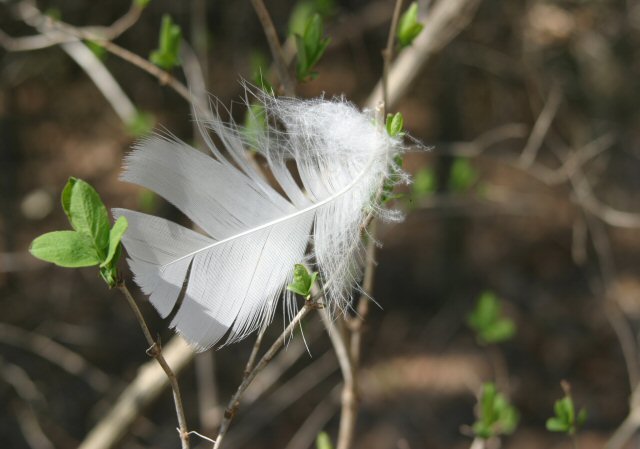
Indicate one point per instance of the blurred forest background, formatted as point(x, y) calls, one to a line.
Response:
point(531, 192)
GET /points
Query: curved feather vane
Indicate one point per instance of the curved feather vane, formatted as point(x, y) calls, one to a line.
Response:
point(253, 235)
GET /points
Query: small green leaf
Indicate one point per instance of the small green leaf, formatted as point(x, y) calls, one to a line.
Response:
point(311, 45)
point(557, 425)
point(582, 417)
point(462, 175)
point(141, 3)
point(97, 49)
point(115, 235)
point(303, 10)
point(87, 214)
point(110, 273)
point(424, 183)
point(53, 13)
point(141, 124)
point(68, 249)
point(65, 197)
point(167, 55)
point(323, 441)
point(147, 201)
point(499, 331)
point(394, 124)
point(302, 281)
point(496, 416)
point(408, 27)
point(487, 321)
point(565, 419)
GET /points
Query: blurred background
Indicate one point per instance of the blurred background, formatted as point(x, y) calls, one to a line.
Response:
point(529, 196)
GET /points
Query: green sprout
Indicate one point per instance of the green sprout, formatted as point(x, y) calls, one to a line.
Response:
point(323, 441)
point(408, 27)
point(302, 281)
point(462, 175)
point(495, 415)
point(93, 242)
point(311, 45)
point(395, 124)
point(166, 56)
point(566, 420)
point(487, 320)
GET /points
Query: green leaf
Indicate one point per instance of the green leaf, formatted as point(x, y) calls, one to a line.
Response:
point(65, 197)
point(487, 321)
point(115, 235)
point(110, 273)
point(69, 249)
point(147, 200)
point(395, 124)
point(304, 10)
point(499, 331)
point(424, 183)
point(408, 27)
point(87, 214)
point(167, 55)
point(311, 45)
point(141, 124)
point(582, 417)
point(97, 49)
point(565, 419)
point(141, 3)
point(496, 416)
point(557, 425)
point(462, 175)
point(323, 441)
point(302, 281)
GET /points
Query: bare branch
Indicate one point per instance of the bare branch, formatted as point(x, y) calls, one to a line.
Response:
point(234, 402)
point(387, 54)
point(155, 351)
point(55, 353)
point(541, 128)
point(446, 19)
point(275, 47)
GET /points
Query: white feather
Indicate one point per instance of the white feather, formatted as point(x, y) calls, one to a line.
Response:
point(254, 235)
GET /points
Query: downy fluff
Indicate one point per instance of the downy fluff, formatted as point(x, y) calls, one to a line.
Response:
point(253, 235)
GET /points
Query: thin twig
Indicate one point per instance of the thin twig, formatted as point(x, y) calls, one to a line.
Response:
point(149, 383)
point(102, 79)
point(541, 128)
point(349, 411)
point(445, 20)
point(46, 25)
point(254, 351)
point(155, 351)
point(55, 353)
point(317, 419)
point(40, 41)
point(234, 402)
point(387, 54)
point(275, 47)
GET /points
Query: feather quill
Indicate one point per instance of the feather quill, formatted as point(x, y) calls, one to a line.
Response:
point(253, 235)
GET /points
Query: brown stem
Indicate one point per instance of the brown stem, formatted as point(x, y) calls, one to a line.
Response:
point(31, 15)
point(155, 351)
point(387, 53)
point(234, 402)
point(275, 47)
